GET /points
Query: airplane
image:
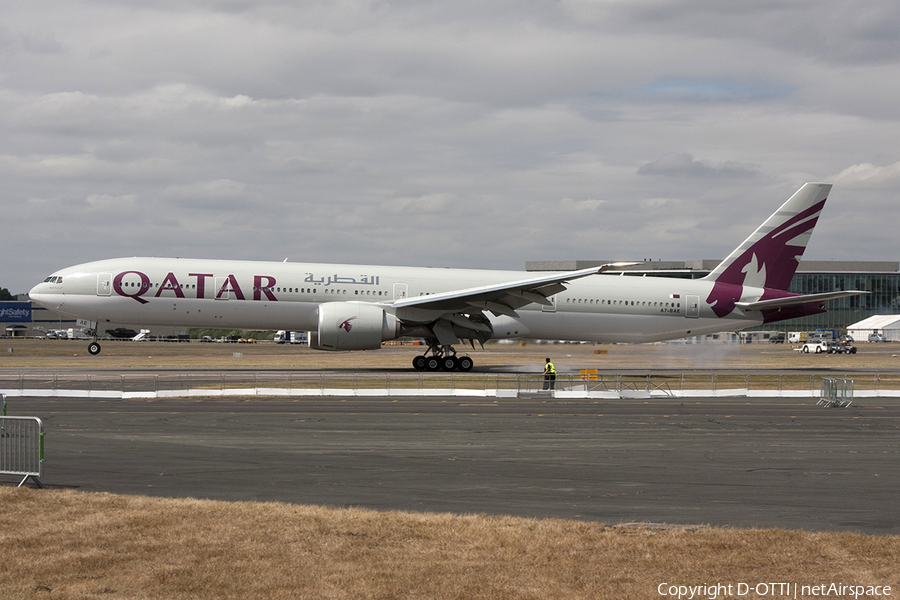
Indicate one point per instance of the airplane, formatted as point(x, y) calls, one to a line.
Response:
point(357, 307)
point(53, 334)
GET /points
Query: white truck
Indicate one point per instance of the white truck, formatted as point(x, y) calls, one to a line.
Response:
point(291, 337)
point(817, 347)
point(819, 335)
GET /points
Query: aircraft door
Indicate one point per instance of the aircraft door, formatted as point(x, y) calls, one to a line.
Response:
point(552, 305)
point(692, 306)
point(400, 291)
point(104, 284)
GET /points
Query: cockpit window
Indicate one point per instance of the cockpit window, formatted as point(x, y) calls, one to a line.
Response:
point(53, 279)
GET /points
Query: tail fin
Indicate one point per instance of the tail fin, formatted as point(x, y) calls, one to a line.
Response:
point(770, 256)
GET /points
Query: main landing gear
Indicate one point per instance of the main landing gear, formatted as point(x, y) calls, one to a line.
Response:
point(442, 358)
point(94, 348)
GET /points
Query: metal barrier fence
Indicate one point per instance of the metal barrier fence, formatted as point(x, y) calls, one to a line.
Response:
point(836, 393)
point(587, 384)
point(22, 448)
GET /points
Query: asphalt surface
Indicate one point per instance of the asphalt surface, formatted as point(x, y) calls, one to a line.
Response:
point(726, 462)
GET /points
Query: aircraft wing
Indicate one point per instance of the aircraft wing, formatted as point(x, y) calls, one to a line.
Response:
point(794, 300)
point(504, 298)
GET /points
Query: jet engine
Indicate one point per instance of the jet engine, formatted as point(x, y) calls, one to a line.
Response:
point(353, 326)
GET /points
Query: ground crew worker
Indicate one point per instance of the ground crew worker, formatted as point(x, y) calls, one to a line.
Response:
point(549, 376)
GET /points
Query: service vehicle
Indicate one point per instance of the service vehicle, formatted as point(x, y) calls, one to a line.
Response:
point(814, 347)
point(840, 348)
point(291, 337)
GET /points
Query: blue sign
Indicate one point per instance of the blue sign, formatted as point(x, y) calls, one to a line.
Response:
point(15, 312)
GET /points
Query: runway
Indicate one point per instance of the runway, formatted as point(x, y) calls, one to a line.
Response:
point(722, 461)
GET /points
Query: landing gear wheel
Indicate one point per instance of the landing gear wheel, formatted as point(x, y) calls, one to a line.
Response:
point(432, 363)
point(94, 348)
point(449, 363)
point(419, 363)
point(466, 364)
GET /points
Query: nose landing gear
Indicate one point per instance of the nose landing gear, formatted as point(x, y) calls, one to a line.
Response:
point(93, 347)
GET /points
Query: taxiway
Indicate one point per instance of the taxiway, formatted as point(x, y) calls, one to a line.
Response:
point(777, 462)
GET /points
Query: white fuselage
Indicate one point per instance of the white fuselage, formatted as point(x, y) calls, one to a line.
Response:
point(273, 295)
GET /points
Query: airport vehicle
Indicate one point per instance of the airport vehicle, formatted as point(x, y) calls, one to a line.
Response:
point(356, 307)
point(840, 348)
point(815, 347)
point(777, 338)
point(819, 335)
point(291, 337)
point(877, 337)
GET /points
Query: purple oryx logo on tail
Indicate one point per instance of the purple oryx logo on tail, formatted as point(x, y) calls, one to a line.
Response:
point(769, 258)
point(346, 326)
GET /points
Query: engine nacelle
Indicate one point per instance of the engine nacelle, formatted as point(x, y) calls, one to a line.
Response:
point(353, 326)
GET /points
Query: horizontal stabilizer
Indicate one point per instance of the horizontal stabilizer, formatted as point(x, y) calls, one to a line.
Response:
point(795, 300)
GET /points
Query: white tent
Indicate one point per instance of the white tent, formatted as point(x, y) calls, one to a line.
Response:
point(889, 325)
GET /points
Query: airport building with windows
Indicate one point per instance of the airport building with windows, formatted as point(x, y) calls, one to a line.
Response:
point(881, 278)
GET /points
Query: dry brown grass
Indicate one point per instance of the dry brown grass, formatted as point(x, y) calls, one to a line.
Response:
point(65, 544)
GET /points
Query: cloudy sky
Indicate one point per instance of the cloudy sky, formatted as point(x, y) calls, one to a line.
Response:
point(460, 134)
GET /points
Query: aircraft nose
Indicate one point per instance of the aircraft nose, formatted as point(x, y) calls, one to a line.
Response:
point(38, 294)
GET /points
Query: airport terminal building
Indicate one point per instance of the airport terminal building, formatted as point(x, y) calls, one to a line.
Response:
point(881, 278)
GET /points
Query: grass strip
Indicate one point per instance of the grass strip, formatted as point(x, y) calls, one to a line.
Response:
point(69, 544)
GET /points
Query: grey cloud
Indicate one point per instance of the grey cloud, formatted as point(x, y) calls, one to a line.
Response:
point(684, 165)
point(438, 134)
point(833, 30)
point(28, 41)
